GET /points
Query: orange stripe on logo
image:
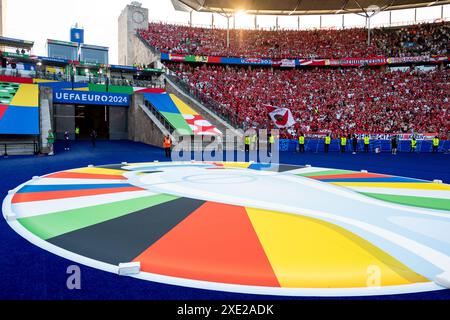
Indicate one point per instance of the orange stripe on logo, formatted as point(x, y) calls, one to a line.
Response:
point(53, 195)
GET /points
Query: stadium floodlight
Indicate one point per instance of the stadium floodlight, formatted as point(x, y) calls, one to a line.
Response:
point(240, 13)
point(373, 10)
point(86, 70)
point(180, 6)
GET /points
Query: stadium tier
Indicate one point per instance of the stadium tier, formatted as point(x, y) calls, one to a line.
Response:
point(423, 39)
point(340, 101)
point(19, 101)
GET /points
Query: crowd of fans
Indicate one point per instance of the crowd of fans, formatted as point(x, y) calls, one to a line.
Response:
point(339, 101)
point(414, 40)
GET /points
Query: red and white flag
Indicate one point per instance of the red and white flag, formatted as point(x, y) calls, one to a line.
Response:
point(281, 117)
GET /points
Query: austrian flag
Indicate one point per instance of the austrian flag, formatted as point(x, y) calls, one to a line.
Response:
point(281, 117)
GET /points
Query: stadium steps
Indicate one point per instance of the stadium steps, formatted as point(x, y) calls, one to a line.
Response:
point(207, 114)
point(147, 125)
point(152, 126)
point(156, 131)
point(193, 103)
point(143, 126)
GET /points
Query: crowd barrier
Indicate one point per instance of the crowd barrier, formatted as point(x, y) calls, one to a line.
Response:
point(382, 145)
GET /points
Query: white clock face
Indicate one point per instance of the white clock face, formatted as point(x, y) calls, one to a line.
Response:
point(138, 17)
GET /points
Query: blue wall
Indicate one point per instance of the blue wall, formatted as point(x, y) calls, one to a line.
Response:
point(384, 145)
point(20, 120)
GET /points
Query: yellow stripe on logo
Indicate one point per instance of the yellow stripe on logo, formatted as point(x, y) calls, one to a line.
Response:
point(183, 107)
point(244, 165)
point(98, 171)
point(401, 185)
point(310, 253)
point(26, 96)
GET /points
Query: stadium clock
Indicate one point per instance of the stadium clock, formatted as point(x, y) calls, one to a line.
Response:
point(138, 17)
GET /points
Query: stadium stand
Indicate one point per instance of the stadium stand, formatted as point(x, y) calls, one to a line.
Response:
point(340, 101)
point(430, 38)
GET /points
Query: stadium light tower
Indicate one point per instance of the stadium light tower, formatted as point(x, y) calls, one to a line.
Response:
point(240, 13)
point(228, 32)
point(73, 71)
point(368, 13)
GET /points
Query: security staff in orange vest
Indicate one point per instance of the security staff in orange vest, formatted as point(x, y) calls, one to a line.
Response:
point(167, 145)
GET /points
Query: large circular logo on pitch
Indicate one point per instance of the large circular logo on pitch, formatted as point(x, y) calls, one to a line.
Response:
point(243, 227)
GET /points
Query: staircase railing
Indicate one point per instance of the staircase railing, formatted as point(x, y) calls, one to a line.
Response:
point(218, 109)
point(159, 116)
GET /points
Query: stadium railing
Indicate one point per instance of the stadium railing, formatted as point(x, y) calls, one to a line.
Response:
point(17, 73)
point(7, 145)
point(404, 146)
point(80, 79)
point(159, 116)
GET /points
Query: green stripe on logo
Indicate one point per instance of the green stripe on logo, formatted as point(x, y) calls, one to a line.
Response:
point(325, 173)
point(423, 202)
point(54, 224)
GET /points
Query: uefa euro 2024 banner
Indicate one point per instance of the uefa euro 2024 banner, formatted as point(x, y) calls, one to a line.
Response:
point(91, 98)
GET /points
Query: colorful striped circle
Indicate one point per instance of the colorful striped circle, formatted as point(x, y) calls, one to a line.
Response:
point(243, 227)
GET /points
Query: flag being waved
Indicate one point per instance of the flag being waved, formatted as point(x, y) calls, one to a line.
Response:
point(281, 117)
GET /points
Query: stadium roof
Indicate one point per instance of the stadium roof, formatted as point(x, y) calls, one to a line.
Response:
point(298, 7)
point(16, 43)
